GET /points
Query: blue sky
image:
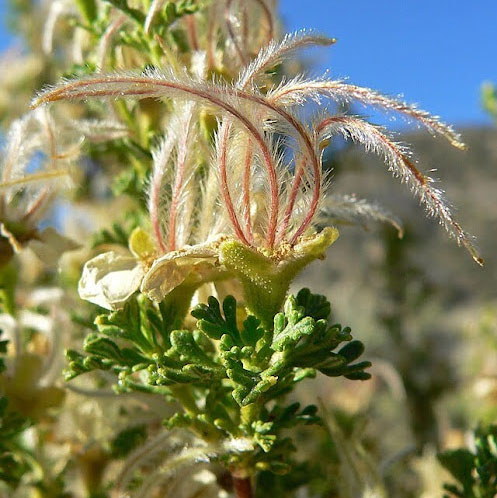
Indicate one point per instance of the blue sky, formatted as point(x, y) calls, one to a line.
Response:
point(435, 52)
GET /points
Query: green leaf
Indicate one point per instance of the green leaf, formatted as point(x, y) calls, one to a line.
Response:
point(212, 322)
point(252, 331)
point(291, 326)
point(123, 6)
point(88, 9)
point(287, 334)
point(315, 305)
point(184, 344)
point(8, 282)
point(476, 472)
point(460, 463)
point(15, 461)
point(130, 324)
point(260, 388)
point(222, 374)
point(352, 350)
point(101, 346)
point(127, 440)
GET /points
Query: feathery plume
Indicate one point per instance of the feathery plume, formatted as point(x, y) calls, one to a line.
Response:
point(350, 209)
point(275, 52)
point(300, 89)
point(295, 187)
point(398, 162)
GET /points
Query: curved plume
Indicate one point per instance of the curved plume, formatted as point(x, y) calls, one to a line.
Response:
point(275, 52)
point(395, 156)
point(27, 135)
point(106, 40)
point(350, 209)
point(299, 90)
point(161, 158)
point(153, 84)
point(259, 117)
point(181, 177)
point(242, 51)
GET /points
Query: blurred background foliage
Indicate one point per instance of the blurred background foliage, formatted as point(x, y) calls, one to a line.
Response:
point(427, 314)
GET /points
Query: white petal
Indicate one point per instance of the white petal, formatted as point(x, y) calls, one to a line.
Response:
point(172, 269)
point(50, 245)
point(46, 296)
point(7, 324)
point(110, 279)
point(41, 323)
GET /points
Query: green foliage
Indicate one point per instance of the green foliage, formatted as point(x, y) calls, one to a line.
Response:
point(132, 326)
point(79, 70)
point(3, 350)
point(12, 425)
point(123, 6)
point(489, 99)
point(8, 280)
point(170, 13)
point(88, 9)
point(13, 465)
point(127, 440)
point(13, 461)
point(118, 233)
point(226, 370)
point(475, 472)
point(165, 18)
point(127, 182)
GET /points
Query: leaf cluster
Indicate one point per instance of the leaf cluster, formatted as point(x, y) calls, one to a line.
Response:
point(13, 465)
point(96, 21)
point(119, 232)
point(475, 471)
point(225, 369)
point(132, 153)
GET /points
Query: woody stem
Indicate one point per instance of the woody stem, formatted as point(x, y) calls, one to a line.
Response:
point(242, 487)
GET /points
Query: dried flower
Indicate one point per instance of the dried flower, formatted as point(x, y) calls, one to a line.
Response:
point(25, 195)
point(247, 155)
point(192, 197)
